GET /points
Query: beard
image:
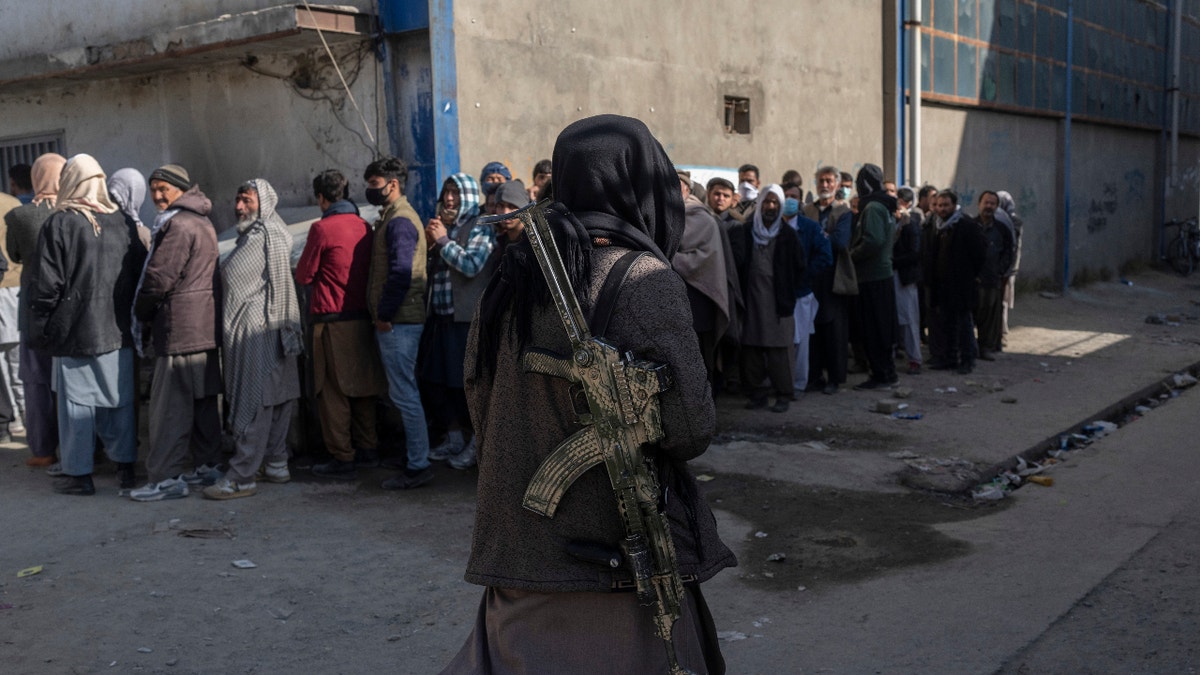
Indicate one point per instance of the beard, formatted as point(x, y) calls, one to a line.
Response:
point(825, 195)
point(244, 222)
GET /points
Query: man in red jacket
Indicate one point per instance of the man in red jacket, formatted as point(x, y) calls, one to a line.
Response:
point(347, 373)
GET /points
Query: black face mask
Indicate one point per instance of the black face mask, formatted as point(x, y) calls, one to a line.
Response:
point(375, 196)
point(769, 216)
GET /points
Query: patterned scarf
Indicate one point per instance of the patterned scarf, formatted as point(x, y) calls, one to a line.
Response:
point(254, 341)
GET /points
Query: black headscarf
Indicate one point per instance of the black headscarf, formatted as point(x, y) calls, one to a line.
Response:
point(613, 181)
point(869, 184)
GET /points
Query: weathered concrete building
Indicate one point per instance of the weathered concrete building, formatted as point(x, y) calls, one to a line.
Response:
point(239, 88)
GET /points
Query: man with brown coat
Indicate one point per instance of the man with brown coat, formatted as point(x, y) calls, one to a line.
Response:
point(175, 300)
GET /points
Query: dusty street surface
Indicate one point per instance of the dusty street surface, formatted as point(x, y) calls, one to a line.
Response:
point(1094, 574)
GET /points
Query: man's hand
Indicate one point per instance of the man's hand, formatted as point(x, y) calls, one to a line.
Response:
point(434, 230)
point(383, 327)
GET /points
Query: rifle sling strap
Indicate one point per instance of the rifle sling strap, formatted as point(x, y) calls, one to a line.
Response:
point(602, 311)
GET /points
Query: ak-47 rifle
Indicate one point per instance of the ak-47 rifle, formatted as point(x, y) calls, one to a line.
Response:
point(623, 417)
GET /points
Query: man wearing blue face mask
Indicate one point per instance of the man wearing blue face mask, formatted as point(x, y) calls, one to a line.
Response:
point(818, 255)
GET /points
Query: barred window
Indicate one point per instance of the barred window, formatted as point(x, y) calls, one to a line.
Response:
point(25, 149)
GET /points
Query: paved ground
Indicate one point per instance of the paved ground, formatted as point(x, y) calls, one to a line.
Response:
point(1094, 574)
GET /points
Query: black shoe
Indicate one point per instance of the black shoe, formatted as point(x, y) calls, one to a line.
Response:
point(366, 458)
point(756, 403)
point(942, 365)
point(126, 475)
point(781, 406)
point(986, 355)
point(830, 389)
point(406, 480)
point(75, 485)
point(966, 368)
point(871, 383)
point(336, 469)
point(814, 386)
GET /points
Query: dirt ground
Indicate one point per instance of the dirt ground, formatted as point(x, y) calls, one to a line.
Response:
point(350, 578)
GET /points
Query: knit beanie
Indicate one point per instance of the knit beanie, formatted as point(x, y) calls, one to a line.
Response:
point(174, 174)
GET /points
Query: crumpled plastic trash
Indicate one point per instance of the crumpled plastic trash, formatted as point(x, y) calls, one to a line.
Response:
point(989, 492)
point(244, 564)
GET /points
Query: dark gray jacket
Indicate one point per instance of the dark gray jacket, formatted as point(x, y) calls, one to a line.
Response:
point(82, 283)
point(520, 418)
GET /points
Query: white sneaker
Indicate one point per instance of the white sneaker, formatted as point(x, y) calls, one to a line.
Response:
point(228, 489)
point(466, 458)
point(205, 474)
point(276, 472)
point(449, 447)
point(171, 488)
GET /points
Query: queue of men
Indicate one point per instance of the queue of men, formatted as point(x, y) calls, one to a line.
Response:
point(784, 288)
point(848, 279)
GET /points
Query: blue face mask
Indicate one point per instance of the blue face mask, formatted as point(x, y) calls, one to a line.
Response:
point(791, 206)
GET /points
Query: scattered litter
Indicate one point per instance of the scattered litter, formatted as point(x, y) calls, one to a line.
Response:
point(816, 445)
point(1044, 364)
point(724, 636)
point(244, 564)
point(902, 392)
point(1042, 480)
point(907, 416)
point(777, 557)
point(395, 638)
point(1156, 319)
point(1009, 399)
point(802, 588)
point(704, 478)
point(951, 390)
point(1125, 281)
point(29, 571)
point(989, 492)
point(1098, 429)
point(144, 650)
point(1026, 469)
point(903, 454)
point(939, 390)
point(172, 662)
point(1184, 380)
point(281, 614)
point(112, 665)
point(762, 622)
point(760, 534)
point(769, 575)
point(996, 386)
point(1141, 410)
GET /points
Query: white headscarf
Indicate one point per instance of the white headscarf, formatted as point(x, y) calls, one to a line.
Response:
point(763, 234)
point(82, 188)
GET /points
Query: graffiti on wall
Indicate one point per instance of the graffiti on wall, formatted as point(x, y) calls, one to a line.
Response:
point(1100, 209)
point(1135, 186)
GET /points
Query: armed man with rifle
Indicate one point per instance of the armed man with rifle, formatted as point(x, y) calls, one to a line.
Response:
point(586, 380)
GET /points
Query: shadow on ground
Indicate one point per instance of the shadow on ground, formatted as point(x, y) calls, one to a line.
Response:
point(831, 537)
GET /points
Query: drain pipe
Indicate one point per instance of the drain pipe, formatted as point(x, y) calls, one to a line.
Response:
point(1066, 277)
point(913, 24)
point(1174, 90)
point(901, 71)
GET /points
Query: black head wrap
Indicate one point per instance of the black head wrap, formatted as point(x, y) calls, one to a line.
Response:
point(869, 184)
point(613, 181)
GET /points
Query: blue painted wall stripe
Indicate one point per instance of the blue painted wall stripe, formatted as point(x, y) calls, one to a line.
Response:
point(445, 87)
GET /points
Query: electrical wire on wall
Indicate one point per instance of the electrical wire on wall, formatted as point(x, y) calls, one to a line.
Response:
point(309, 79)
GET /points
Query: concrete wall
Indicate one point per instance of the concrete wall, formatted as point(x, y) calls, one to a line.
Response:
point(31, 27)
point(225, 125)
point(813, 78)
point(1114, 187)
